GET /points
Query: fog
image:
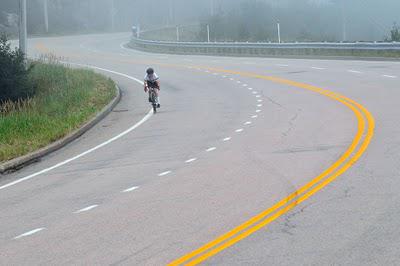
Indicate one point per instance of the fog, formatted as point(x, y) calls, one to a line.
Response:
point(229, 20)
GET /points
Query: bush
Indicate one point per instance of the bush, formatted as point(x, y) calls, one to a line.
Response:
point(14, 79)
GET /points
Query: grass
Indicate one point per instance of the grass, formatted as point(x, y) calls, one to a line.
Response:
point(65, 99)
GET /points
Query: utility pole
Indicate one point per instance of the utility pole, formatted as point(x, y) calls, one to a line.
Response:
point(112, 15)
point(171, 6)
point(208, 33)
point(212, 7)
point(279, 32)
point(344, 24)
point(46, 16)
point(22, 27)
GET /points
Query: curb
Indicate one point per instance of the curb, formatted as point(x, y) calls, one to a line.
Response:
point(20, 162)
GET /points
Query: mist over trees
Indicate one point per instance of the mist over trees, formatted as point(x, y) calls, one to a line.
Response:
point(233, 20)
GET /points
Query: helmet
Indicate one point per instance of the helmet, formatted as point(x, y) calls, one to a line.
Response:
point(150, 71)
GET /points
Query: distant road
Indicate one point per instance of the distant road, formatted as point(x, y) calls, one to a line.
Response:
point(234, 138)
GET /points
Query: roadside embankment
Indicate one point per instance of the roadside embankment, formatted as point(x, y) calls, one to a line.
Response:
point(65, 101)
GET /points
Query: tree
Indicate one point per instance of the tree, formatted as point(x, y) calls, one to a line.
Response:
point(14, 80)
point(395, 33)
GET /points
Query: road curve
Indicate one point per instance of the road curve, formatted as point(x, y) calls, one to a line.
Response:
point(248, 144)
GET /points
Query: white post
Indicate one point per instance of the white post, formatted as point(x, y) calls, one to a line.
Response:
point(279, 32)
point(208, 33)
point(138, 31)
point(46, 16)
point(177, 33)
point(22, 27)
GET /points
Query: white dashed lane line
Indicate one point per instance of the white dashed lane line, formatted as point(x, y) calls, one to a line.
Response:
point(260, 101)
point(282, 65)
point(129, 189)
point(250, 89)
point(258, 111)
point(354, 71)
point(254, 116)
point(227, 139)
point(247, 123)
point(254, 92)
point(86, 209)
point(211, 149)
point(258, 96)
point(239, 130)
point(318, 68)
point(165, 173)
point(259, 105)
point(245, 85)
point(32, 232)
point(191, 160)
point(389, 76)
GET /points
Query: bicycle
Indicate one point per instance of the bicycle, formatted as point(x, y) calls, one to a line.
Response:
point(153, 99)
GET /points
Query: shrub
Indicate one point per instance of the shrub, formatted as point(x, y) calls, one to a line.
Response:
point(14, 79)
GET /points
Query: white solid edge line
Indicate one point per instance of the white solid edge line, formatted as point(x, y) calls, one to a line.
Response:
point(129, 189)
point(143, 120)
point(91, 207)
point(211, 149)
point(164, 173)
point(191, 160)
point(30, 233)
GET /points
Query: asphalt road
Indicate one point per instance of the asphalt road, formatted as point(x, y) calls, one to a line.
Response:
point(233, 138)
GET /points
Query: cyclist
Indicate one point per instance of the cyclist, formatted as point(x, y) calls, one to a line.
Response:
point(151, 80)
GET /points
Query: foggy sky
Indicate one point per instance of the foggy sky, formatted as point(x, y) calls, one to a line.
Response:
point(361, 19)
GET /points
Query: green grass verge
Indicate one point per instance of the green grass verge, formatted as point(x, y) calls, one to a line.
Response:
point(65, 99)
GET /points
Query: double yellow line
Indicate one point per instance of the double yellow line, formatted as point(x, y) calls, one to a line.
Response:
point(358, 146)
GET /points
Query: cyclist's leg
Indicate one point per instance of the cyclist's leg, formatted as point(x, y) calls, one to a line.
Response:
point(157, 96)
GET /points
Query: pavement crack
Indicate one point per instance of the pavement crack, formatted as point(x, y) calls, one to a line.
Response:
point(274, 102)
point(291, 123)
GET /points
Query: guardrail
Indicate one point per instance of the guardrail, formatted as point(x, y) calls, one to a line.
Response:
point(270, 49)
